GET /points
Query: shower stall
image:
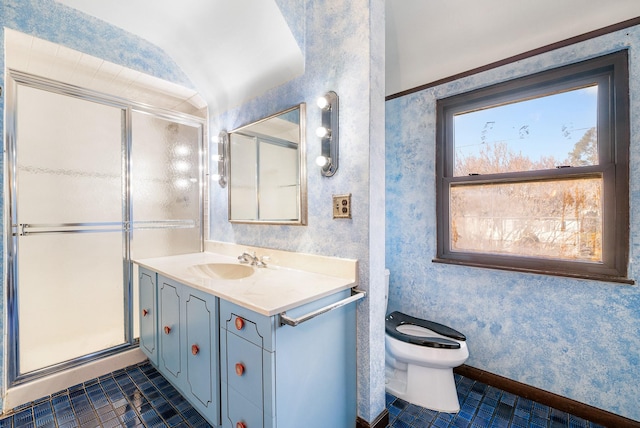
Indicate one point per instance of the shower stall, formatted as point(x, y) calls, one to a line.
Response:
point(91, 182)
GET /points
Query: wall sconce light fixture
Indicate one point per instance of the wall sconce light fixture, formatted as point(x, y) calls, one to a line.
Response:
point(328, 134)
point(223, 159)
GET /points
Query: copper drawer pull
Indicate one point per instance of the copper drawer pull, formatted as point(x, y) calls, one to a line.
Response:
point(195, 349)
point(239, 369)
point(239, 325)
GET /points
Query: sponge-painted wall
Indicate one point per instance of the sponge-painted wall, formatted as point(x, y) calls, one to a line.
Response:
point(343, 44)
point(577, 338)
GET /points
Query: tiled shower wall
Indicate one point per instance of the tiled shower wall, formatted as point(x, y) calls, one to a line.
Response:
point(573, 337)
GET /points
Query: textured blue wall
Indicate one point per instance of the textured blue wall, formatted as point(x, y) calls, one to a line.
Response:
point(344, 52)
point(576, 338)
point(50, 21)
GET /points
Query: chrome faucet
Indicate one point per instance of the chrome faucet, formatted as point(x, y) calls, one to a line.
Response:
point(253, 260)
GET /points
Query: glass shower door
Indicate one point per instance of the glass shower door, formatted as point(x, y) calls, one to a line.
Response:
point(165, 186)
point(67, 220)
point(166, 190)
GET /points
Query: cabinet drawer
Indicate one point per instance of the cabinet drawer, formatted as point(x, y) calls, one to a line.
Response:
point(239, 409)
point(253, 327)
point(244, 368)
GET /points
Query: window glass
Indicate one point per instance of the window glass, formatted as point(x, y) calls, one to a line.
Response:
point(549, 219)
point(545, 132)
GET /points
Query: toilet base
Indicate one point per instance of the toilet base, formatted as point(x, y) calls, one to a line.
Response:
point(432, 388)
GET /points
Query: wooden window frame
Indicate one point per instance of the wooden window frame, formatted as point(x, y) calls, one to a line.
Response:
point(611, 74)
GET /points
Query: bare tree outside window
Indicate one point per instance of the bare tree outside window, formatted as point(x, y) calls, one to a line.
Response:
point(548, 219)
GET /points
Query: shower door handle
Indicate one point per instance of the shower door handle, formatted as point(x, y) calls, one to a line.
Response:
point(26, 229)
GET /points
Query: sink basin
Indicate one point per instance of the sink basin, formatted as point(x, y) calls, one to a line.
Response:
point(222, 270)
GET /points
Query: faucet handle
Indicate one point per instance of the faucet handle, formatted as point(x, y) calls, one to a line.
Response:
point(245, 257)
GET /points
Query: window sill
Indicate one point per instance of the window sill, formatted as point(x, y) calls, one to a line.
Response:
point(604, 278)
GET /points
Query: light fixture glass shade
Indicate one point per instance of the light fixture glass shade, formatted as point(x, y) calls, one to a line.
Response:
point(323, 132)
point(323, 103)
point(322, 161)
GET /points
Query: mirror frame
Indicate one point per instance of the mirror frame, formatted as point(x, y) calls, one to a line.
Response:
point(302, 170)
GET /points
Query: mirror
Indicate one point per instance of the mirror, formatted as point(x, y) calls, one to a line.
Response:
point(267, 170)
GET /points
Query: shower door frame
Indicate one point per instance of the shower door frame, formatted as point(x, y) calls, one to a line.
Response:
point(13, 230)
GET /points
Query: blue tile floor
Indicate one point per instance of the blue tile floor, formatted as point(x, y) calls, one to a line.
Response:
point(482, 406)
point(139, 396)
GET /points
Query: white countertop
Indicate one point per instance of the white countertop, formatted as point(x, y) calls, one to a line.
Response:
point(268, 291)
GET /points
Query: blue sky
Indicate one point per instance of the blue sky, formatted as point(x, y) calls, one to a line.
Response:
point(547, 126)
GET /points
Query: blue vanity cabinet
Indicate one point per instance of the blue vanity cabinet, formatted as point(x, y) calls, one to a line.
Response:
point(279, 376)
point(187, 340)
point(148, 316)
point(242, 369)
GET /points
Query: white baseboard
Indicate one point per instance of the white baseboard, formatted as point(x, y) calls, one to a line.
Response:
point(45, 386)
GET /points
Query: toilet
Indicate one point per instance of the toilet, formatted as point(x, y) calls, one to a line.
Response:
point(420, 357)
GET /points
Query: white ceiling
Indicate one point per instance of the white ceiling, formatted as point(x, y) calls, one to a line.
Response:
point(236, 50)
point(230, 50)
point(428, 40)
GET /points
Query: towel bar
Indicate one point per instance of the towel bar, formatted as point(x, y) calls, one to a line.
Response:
point(357, 295)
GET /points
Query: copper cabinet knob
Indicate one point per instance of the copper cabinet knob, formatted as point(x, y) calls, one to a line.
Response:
point(145, 312)
point(239, 369)
point(195, 349)
point(239, 323)
point(167, 329)
point(241, 425)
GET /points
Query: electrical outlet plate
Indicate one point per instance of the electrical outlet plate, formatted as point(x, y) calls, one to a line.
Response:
point(342, 206)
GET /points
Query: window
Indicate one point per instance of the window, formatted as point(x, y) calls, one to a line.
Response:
point(532, 174)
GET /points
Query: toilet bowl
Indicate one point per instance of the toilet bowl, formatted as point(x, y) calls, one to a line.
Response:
point(420, 357)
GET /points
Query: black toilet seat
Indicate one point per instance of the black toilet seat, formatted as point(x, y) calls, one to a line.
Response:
point(396, 319)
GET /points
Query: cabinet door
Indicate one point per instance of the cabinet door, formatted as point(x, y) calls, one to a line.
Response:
point(148, 320)
point(202, 353)
point(169, 316)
